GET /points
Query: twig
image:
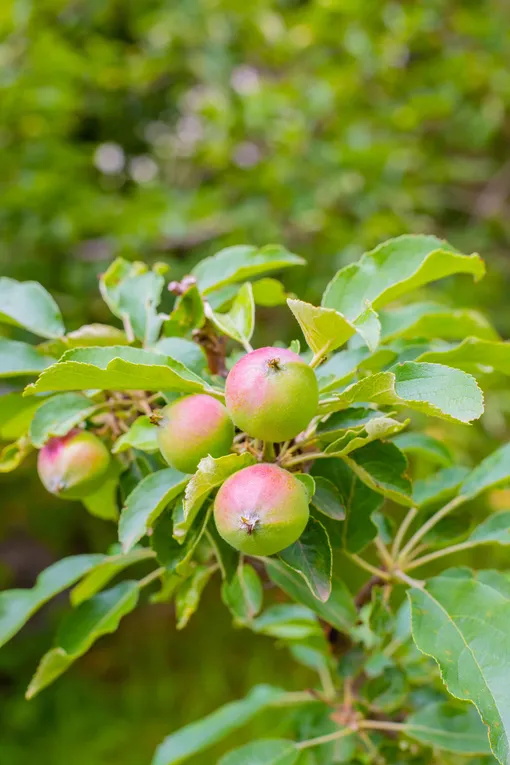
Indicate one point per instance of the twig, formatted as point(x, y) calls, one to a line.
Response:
point(378, 572)
point(215, 348)
point(402, 531)
point(402, 576)
point(439, 554)
point(381, 725)
point(304, 458)
point(319, 357)
point(268, 453)
point(311, 742)
point(151, 577)
point(384, 553)
point(365, 594)
point(442, 513)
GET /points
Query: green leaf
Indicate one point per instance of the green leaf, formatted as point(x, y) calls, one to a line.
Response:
point(186, 351)
point(492, 472)
point(383, 467)
point(226, 556)
point(28, 305)
point(21, 359)
point(495, 528)
point(269, 292)
point(287, 622)
point(450, 728)
point(171, 553)
point(244, 594)
point(187, 315)
point(239, 322)
point(368, 327)
point(425, 446)
point(327, 499)
point(189, 594)
point(463, 624)
point(104, 571)
point(431, 320)
point(12, 455)
point(432, 389)
point(118, 368)
point(359, 501)
point(146, 502)
point(339, 369)
point(132, 293)
point(16, 413)
point(264, 752)
point(200, 735)
point(479, 357)
point(58, 415)
point(141, 435)
point(354, 419)
point(439, 487)
point(312, 558)
point(81, 628)
point(394, 268)
point(324, 329)
point(17, 606)
point(498, 580)
point(97, 335)
point(339, 611)
point(103, 502)
point(210, 474)
point(376, 428)
point(308, 482)
point(241, 262)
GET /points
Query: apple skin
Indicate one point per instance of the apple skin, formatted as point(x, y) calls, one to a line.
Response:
point(74, 465)
point(272, 394)
point(261, 510)
point(192, 428)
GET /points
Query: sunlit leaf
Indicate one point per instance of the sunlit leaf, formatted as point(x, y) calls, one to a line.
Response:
point(463, 624)
point(28, 305)
point(80, 628)
point(117, 368)
point(242, 262)
point(394, 268)
point(58, 415)
point(146, 502)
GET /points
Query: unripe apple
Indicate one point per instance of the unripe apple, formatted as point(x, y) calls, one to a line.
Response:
point(74, 465)
point(192, 428)
point(261, 509)
point(272, 394)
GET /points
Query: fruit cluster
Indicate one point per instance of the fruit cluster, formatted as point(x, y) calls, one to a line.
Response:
point(271, 395)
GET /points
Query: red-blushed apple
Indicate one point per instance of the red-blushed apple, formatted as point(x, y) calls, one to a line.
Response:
point(261, 509)
point(272, 394)
point(74, 465)
point(194, 427)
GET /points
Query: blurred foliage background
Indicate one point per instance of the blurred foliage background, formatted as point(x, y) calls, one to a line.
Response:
point(165, 131)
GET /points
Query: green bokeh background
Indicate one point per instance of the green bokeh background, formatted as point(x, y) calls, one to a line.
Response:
point(165, 131)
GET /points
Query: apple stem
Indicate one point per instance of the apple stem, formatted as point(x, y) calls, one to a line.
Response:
point(268, 452)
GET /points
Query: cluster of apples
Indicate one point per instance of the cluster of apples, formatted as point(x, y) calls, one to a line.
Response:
point(271, 394)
